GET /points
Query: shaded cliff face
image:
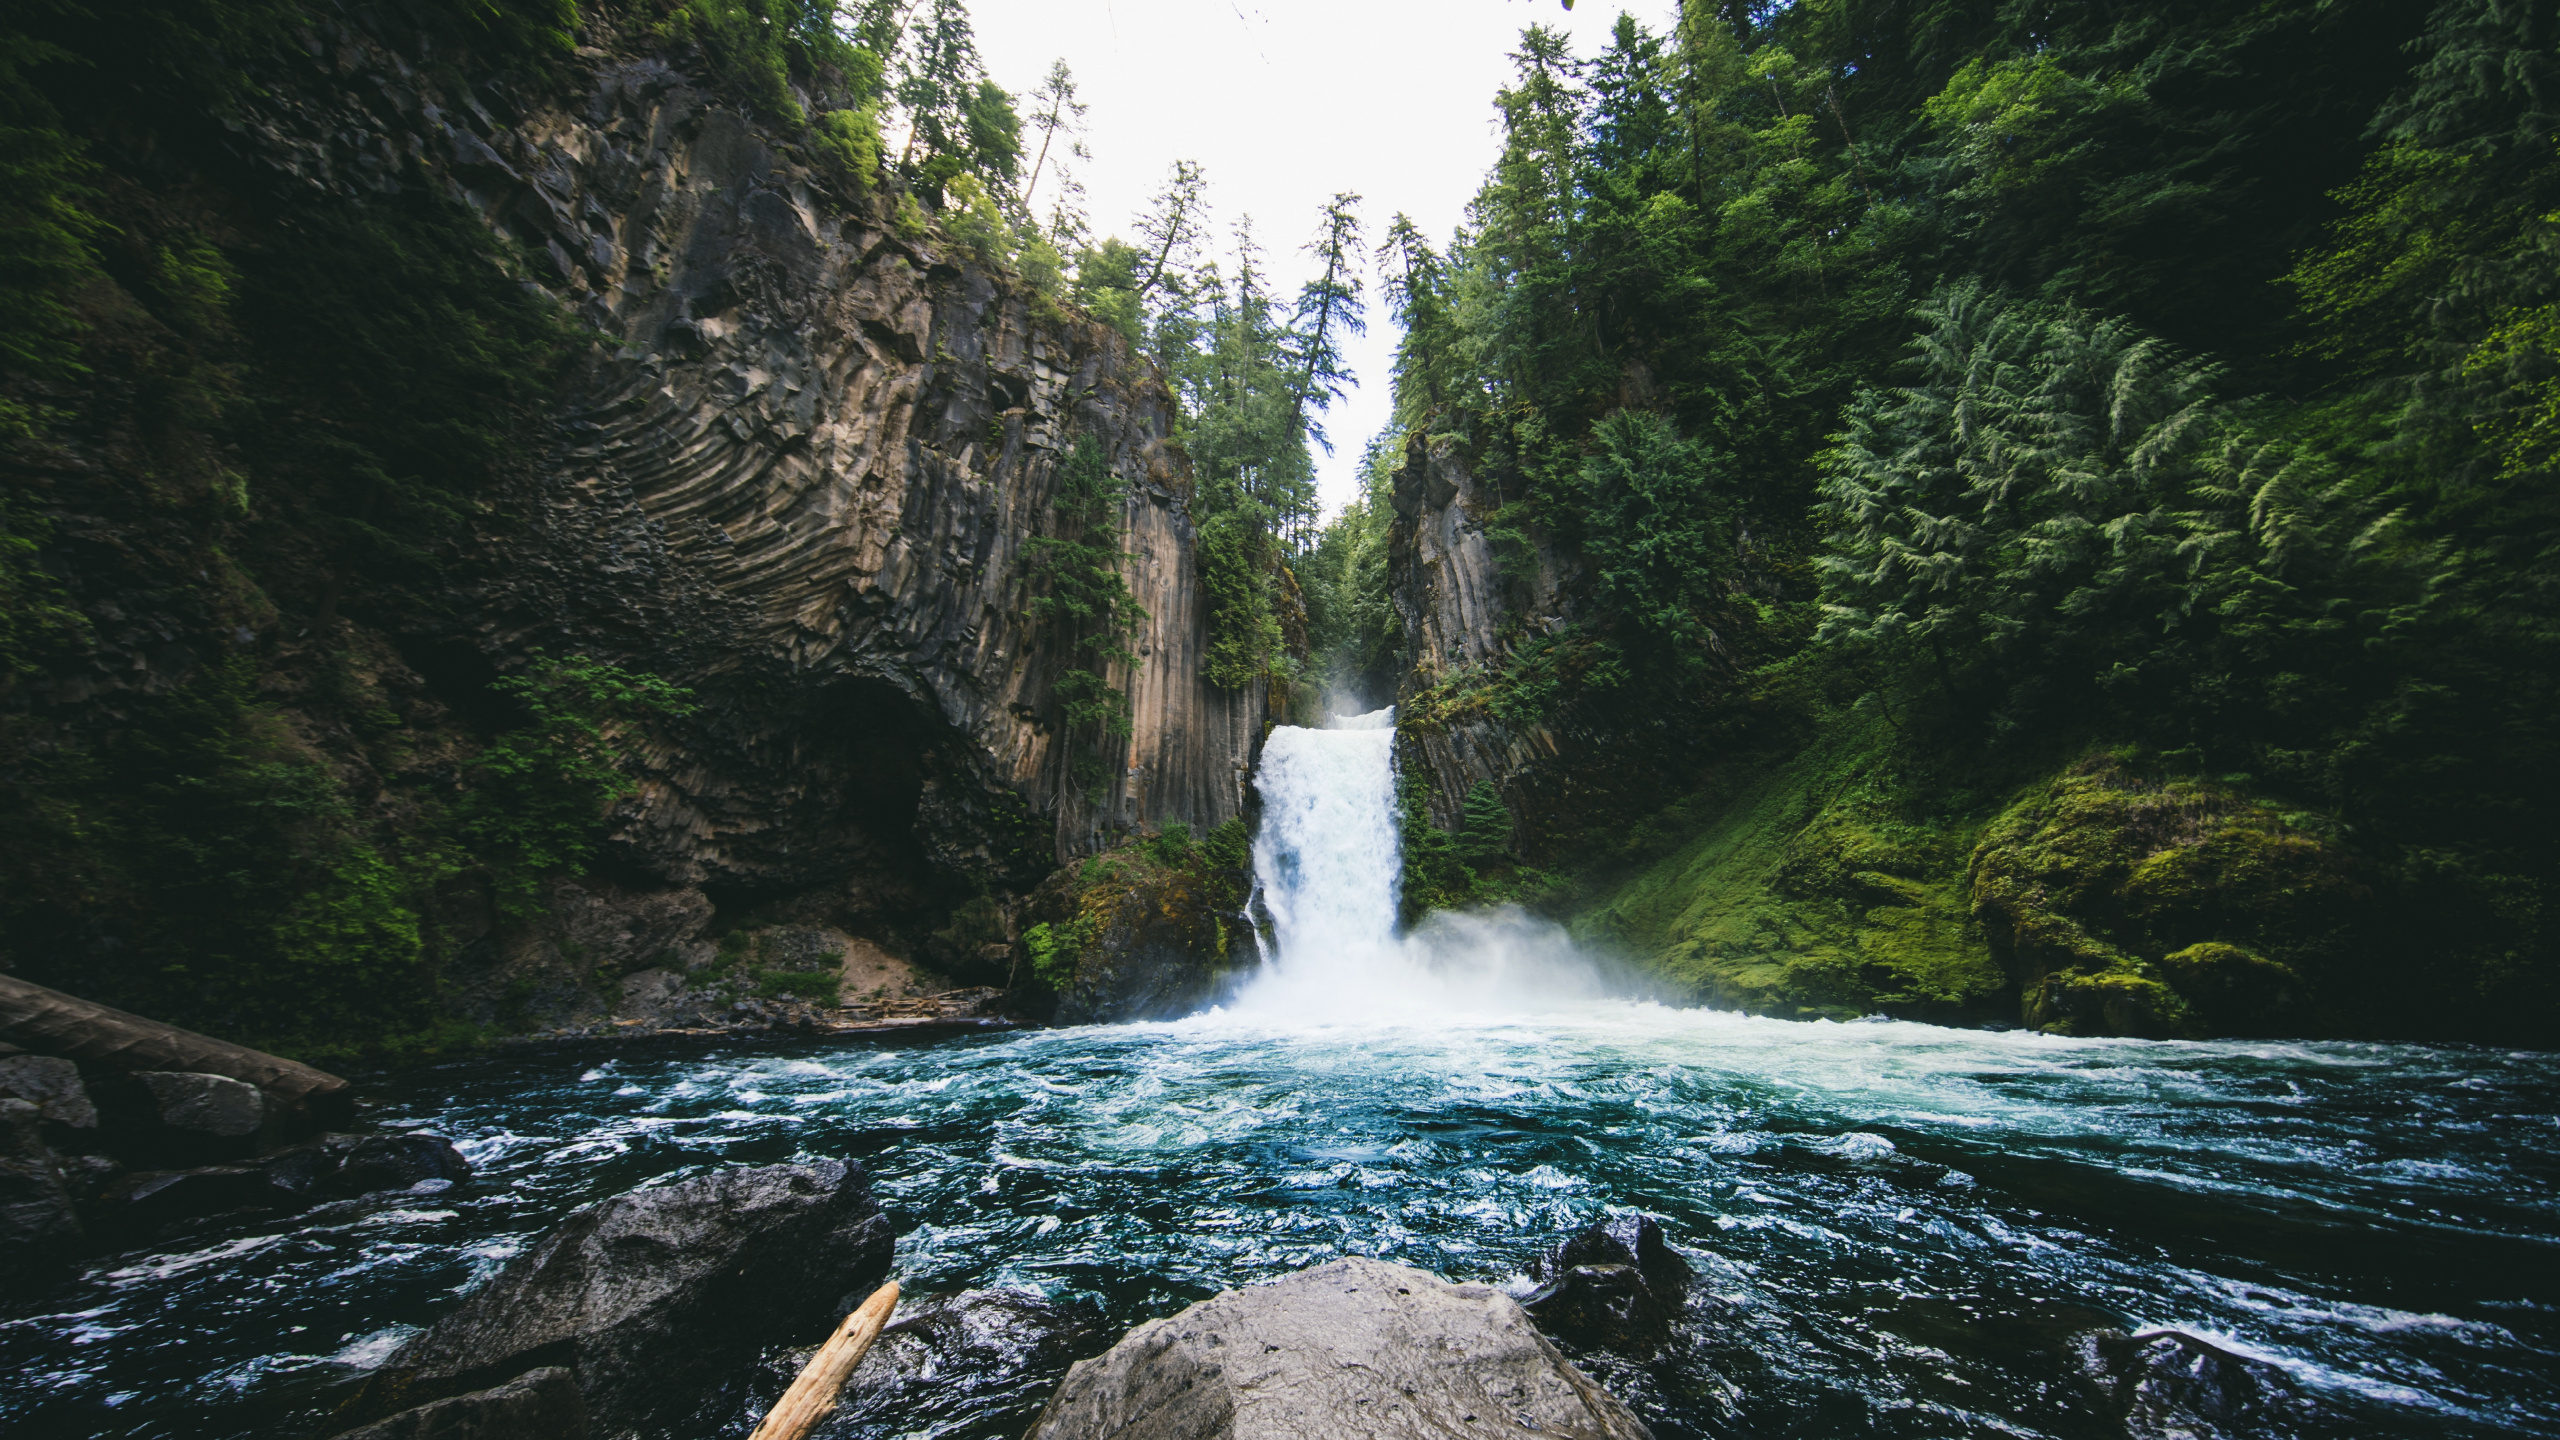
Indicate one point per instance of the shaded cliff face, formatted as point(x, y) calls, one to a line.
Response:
point(795, 461)
point(798, 472)
point(1509, 683)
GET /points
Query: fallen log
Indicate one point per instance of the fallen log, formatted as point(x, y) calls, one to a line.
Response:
point(49, 1022)
point(821, 1381)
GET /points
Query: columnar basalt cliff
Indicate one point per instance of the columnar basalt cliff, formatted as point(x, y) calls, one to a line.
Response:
point(798, 468)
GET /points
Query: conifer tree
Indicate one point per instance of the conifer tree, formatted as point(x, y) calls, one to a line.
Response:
point(1055, 112)
point(1329, 311)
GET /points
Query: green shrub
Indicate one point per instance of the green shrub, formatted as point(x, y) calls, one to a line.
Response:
point(818, 985)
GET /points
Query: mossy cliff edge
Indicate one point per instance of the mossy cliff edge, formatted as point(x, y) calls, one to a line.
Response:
point(2104, 896)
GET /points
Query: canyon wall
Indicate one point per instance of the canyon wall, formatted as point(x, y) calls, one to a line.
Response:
point(799, 468)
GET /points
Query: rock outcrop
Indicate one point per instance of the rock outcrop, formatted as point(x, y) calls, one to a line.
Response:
point(1615, 1284)
point(796, 463)
point(537, 1405)
point(2168, 1385)
point(657, 1299)
point(800, 474)
point(1359, 1349)
point(950, 1357)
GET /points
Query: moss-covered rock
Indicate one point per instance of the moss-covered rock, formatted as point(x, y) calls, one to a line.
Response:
point(1820, 891)
point(1149, 930)
point(2125, 904)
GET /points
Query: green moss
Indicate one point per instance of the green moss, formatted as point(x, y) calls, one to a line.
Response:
point(2130, 903)
point(1818, 890)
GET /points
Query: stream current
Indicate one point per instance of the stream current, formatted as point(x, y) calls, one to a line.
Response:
point(1903, 1224)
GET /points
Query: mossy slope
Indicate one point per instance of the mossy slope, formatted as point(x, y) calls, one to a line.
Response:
point(2097, 899)
point(2127, 904)
point(1818, 890)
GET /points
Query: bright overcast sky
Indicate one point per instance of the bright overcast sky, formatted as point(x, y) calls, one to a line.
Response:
point(1284, 102)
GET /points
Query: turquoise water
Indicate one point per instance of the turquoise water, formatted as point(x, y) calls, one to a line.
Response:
point(1904, 1223)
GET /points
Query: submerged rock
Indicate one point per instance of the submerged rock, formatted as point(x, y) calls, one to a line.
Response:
point(951, 1356)
point(537, 1405)
point(1357, 1348)
point(655, 1299)
point(345, 1166)
point(2168, 1385)
point(1616, 1284)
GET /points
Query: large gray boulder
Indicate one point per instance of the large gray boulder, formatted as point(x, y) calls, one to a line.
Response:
point(1355, 1350)
point(52, 1085)
point(657, 1299)
point(537, 1405)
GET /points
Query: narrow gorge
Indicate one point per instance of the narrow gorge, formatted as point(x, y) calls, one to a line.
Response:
point(1857, 740)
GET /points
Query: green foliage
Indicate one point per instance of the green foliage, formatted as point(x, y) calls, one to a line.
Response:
point(539, 792)
point(1235, 582)
point(758, 46)
point(1229, 847)
point(849, 142)
point(821, 986)
point(1171, 845)
point(1087, 606)
point(1484, 832)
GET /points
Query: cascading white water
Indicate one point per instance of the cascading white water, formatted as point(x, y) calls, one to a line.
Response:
point(1328, 866)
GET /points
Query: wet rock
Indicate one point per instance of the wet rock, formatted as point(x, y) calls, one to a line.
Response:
point(1355, 1348)
point(175, 1118)
point(146, 1200)
point(2167, 1385)
point(951, 1356)
point(343, 1166)
point(38, 1225)
point(655, 1299)
point(1617, 1285)
point(537, 1405)
point(52, 1085)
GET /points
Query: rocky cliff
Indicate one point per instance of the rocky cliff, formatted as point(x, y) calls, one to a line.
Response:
point(796, 464)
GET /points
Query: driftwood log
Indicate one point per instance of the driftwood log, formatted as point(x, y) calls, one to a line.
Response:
point(822, 1379)
point(49, 1022)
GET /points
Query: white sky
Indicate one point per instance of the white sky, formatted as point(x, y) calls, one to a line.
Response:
point(1284, 102)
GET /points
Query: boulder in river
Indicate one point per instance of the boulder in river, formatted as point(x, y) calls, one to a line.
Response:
point(537, 1405)
point(1615, 1284)
point(2169, 1385)
point(1355, 1350)
point(949, 1356)
point(52, 1085)
point(38, 1225)
point(657, 1299)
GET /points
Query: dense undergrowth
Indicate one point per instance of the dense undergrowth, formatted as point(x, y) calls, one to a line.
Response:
point(2174, 378)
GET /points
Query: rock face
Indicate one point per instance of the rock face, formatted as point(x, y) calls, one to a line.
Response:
point(1457, 605)
point(2166, 1385)
point(655, 1299)
point(800, 475)
point(1358, 1348)
point(1616, 1284)
point(537, 1405)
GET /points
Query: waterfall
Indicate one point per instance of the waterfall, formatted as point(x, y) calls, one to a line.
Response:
point(1328, 868)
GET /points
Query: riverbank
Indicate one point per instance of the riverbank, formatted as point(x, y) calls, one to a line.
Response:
point(1912, 1217)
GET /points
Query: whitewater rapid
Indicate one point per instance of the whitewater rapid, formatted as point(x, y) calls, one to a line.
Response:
point(1328, 867)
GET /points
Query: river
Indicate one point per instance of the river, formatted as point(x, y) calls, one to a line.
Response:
point(1903, 1224)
